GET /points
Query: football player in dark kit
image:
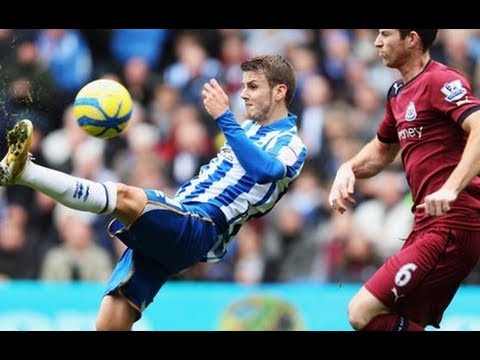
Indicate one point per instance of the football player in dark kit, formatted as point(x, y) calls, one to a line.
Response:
point(433, 119)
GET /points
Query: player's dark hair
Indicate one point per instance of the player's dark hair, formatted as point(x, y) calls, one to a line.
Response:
point(426, 35)
point(276, 69)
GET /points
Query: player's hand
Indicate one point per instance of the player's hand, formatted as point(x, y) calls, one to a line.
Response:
point(341, 193)
point(438, 203)
point(215, 100)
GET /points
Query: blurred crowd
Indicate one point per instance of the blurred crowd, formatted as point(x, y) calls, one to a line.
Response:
point(340, 99)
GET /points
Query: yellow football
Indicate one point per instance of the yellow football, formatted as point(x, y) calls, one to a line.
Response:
point(103, 108)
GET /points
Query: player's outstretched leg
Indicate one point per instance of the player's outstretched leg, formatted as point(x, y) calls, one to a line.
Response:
point(77, 193)
point(18, 140)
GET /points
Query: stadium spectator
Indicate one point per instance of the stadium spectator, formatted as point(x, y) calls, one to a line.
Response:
point(29, 85)
point(78, 257)
point(433, 118)
point(147, 44)
point(192, 68)
point(162, 108)
point(136, 76)
point(67, 55)
point(18, 252)
point(386, 212)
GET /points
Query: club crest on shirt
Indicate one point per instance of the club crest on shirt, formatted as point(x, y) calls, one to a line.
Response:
point(411, 113)
point(453, 90)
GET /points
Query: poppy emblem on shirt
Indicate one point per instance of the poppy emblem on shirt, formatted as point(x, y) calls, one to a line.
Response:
point(411, 113)
point(453, 90)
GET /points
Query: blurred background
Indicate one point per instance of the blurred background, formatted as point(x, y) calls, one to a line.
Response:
point(294, 269)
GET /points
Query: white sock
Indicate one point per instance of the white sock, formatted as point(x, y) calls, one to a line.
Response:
point(73, 192)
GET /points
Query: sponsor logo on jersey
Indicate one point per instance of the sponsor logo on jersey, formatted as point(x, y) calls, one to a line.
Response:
point(464, 101)
point(453, 90)
point(227, 153)
point(411, 113)
point(411, 133)
point(397, 296)
point(397, 87)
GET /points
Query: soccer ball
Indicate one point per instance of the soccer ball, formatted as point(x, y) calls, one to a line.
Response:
point(103, 108)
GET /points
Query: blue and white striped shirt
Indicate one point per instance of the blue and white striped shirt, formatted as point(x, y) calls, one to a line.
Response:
point(251, 172)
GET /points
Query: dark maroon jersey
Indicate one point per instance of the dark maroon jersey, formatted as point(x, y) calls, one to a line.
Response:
point(425, 117)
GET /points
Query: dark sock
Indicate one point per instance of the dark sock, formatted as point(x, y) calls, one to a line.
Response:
point(392, 322)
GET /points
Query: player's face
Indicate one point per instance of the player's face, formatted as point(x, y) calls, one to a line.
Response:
point(258, 96)
point(391, 48)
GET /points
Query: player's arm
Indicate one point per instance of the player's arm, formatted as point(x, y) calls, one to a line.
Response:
point(373, 158)
point(259, 164)
point(369, 161)
point(451, 94)
point(469, 165)
point(438, 203)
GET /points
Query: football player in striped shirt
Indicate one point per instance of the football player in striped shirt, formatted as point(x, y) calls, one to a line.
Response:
point(164, 235)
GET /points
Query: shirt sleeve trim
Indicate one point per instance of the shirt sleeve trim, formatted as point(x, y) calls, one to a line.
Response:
point(387, 140)
point(466, 113)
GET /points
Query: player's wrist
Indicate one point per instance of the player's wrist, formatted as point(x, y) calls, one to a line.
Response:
point(347, 166)
point(223, 114)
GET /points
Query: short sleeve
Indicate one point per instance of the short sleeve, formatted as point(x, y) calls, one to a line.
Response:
point(451, 94)
point(387, 131)
point(290, 151)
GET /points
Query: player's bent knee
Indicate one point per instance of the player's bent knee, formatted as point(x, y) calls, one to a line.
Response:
point(357, 318)
point(127, 192)
point(363, 308)
point(103, 324)
point(130, 202)
point(115, 314)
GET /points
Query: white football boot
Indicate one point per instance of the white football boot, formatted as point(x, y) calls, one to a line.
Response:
point(18, 140)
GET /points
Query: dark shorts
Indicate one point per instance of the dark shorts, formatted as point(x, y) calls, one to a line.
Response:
point(421, 279)
point(164, 240)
